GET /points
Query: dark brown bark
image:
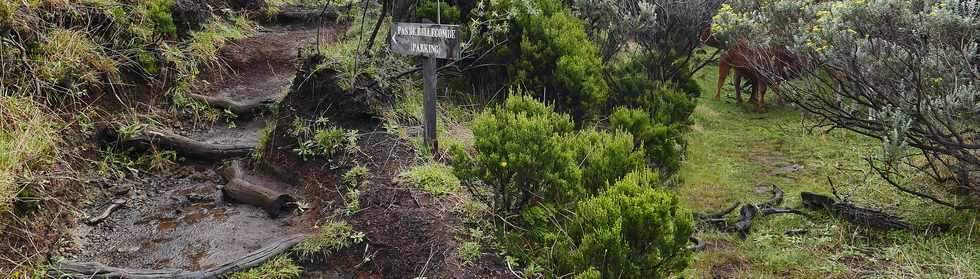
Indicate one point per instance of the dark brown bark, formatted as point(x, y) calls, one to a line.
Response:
point(385, 6)
point(242, 191)
point(98, 270)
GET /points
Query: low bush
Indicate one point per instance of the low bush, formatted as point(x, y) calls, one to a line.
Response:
point(633, 230)
point(664, 143)
point(520, 154)
point(605, 157)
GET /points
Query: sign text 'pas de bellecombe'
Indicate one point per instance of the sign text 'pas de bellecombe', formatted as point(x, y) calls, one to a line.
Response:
point(432, 40)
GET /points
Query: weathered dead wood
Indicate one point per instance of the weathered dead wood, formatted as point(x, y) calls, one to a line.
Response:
point(241, 108)
point(116, 203)
point(242, 191)
point(747, 213)
point(149, 138)
point(865, 217)
point(98, 270)
point(744, 224)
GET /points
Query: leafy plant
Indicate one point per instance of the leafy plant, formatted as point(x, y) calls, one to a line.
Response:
point(605, 157)
point(663, 142)
point(354, 176)
point(633, 230)
point(469, 251)
point(520, 154)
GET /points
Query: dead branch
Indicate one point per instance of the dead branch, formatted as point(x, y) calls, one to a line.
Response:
point(853, 214)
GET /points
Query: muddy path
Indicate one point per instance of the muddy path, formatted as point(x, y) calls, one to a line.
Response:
point(181, 221)
point(179, 218)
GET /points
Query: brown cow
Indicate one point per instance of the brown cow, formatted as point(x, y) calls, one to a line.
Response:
point(747, 62)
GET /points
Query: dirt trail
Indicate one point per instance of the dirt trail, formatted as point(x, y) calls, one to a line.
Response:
point(179, 218)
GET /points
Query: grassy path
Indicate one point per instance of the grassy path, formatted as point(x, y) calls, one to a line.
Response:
point(732, 150)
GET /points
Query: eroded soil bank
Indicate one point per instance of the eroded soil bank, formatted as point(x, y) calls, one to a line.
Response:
point(179, 219)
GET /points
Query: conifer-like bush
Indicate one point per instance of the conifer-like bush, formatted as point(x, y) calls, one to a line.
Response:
point(605, 157)
point(662, 141)
point(520, 155)
point(633, 230)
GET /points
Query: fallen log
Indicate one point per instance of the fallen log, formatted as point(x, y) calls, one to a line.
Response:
point(242, 191)
point(148, 138)
point(865, 217)
point(97, 270)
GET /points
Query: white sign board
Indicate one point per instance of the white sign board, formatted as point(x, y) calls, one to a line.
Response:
point(430, 40)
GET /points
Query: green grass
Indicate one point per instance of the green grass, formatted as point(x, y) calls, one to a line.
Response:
point(28, 139)
point(436, 179)
point(333, 237)
point(733, 149)
point(280, 267)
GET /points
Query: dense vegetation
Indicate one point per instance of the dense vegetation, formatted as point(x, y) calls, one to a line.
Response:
point(576, 141)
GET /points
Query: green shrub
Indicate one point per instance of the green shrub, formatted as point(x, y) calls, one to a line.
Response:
point(520, 154)
point(469, 252)
point(550, 53)
point(159, 12)
point(663, 142)
point(669, 101)
point(630, 231)
point(427, 10)
point(605, 157)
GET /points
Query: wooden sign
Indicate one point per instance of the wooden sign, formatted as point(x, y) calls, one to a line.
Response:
point(430, 40)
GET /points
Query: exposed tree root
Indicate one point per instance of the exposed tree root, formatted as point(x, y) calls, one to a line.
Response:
point(98, 270)
point(148, 138)
point(240, 108)
point(116, 203)
point(242, 191)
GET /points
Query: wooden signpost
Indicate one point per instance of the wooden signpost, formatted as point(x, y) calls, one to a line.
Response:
point(433, 41)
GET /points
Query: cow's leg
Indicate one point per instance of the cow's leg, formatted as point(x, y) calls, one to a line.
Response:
point(760, 94)
point(722, 75)
point(737, 79)
point(775, 90)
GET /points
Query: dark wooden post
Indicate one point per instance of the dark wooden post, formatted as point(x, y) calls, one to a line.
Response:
point(429, 104)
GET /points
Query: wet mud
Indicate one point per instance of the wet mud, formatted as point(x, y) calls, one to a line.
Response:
point(180, 221)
